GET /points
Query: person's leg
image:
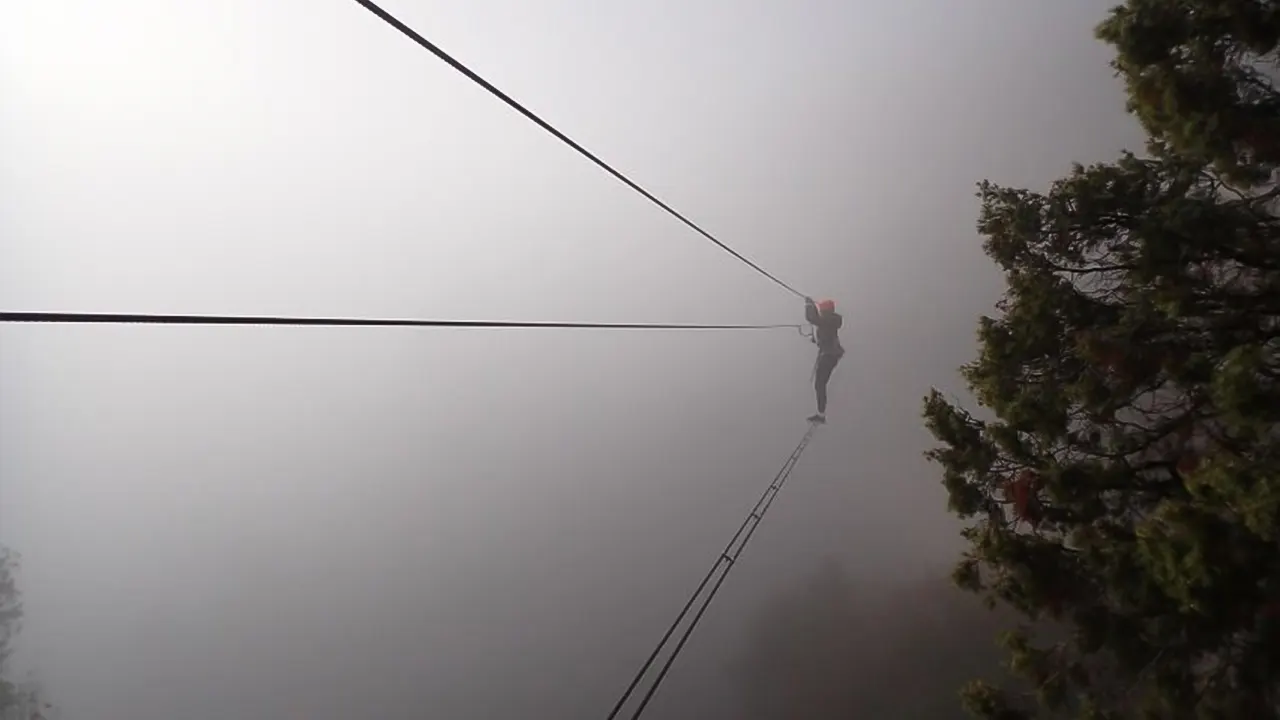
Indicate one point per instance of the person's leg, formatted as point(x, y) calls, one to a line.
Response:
point(826, 364)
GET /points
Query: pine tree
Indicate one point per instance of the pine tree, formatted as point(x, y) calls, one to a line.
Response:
point(1124, 481)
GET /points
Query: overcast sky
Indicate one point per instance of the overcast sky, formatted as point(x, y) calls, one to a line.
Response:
point(399, 523)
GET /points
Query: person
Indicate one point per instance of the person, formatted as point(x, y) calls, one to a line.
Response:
point(826, 334)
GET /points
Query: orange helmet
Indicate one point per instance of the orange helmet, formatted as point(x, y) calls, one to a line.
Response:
point(827, 305)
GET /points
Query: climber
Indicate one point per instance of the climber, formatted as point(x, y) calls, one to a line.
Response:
point(826, 334)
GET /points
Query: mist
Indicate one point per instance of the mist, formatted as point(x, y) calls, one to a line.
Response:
point(225, 522)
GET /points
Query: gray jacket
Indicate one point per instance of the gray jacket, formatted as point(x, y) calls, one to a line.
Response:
point(826, 330)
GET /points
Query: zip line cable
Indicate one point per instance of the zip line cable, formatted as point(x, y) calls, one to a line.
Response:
point(152, 319)
point(471, 74)
point(728, 559)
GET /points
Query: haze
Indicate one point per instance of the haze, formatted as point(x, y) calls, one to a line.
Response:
point(397, 523)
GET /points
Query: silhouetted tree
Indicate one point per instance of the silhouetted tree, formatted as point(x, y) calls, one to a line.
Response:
point(1201, 77)
point(29, 701)
point(838, 649)
point(10, 615)
point(1129, 483)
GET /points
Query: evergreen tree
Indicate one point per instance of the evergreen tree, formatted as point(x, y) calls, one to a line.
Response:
point(1125, 479)
point(1201, 76)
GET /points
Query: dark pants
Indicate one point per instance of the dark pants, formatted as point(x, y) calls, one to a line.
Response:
point(822, 374)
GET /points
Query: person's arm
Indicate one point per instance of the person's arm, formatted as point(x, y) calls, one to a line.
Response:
point(811, 312)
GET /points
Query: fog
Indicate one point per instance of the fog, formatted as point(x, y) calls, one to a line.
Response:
point(224, 522)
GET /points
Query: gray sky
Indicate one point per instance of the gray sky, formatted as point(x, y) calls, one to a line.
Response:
point(256, 522)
